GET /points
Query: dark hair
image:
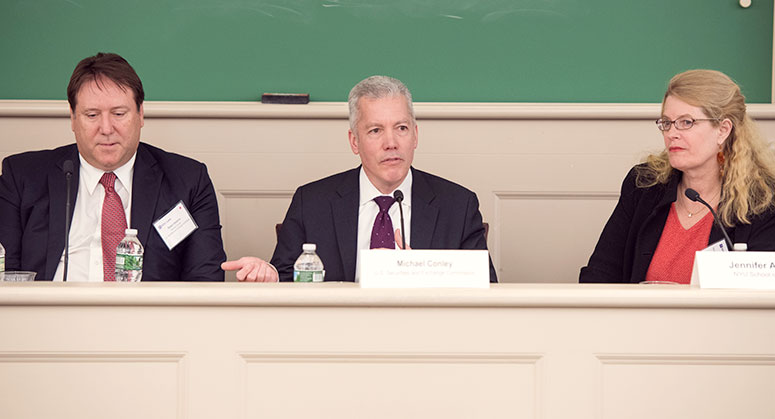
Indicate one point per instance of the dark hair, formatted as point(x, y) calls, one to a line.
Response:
point(105, 65)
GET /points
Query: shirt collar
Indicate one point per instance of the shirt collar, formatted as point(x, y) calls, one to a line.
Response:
point(91, 175)
point(369, 191)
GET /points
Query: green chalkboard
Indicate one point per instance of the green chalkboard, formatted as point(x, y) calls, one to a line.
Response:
point(444, 50)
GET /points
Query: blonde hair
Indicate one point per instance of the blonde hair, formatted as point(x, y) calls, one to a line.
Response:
point(748, 171)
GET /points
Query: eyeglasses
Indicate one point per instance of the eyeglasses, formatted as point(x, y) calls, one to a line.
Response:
point(681, 124)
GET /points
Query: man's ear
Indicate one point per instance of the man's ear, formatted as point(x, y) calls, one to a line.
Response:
point(353, 141)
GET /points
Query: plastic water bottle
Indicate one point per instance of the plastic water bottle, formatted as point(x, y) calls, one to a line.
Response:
point(129, 258)
point(308, 267)
point(2, 262)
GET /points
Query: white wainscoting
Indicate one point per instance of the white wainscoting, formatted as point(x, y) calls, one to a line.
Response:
point(547, 175)
point(332, 350)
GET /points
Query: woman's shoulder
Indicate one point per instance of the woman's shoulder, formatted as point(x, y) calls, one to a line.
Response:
point(640, 183)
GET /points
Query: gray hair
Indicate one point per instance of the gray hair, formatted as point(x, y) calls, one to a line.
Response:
point(376, 87)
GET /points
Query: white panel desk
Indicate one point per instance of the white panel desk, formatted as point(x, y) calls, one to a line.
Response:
point(335, 351)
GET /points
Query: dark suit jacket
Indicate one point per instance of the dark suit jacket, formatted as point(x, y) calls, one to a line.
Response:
point(32, 213)
point(444, 216)
point(629, 239)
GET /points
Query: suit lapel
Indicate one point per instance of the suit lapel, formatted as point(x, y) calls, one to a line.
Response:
point(146, 183)
point(57, 192)
point(344, 209)
point(424, 214)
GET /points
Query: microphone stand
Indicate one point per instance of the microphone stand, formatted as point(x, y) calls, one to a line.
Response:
point(68, 169)
point(399, 197)
point(695, 196)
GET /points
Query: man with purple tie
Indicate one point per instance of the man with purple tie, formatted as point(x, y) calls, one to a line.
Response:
point(355, 210)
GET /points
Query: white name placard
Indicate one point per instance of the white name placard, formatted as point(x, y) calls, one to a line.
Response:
point(748, 270)
point(382, 268)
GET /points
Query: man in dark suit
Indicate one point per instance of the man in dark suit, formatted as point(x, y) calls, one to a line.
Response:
point(117, 182)
point(340, 213)
point(444, 216)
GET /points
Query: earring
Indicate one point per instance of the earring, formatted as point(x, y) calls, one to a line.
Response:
point(721, 160)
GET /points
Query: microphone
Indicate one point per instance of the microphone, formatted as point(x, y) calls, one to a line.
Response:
point(67, 167)
point(695, 196)
point(399, 196)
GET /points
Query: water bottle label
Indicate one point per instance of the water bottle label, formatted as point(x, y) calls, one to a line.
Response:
point(307, 276)
point(129, 262)
point(2, 263)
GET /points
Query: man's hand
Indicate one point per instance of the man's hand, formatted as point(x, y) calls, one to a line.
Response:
point(251, 269)
point(398, 240)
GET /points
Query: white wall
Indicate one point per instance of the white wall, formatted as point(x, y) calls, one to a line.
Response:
point(547, 175)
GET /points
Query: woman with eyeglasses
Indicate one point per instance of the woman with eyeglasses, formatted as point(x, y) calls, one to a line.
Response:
point(712, 147)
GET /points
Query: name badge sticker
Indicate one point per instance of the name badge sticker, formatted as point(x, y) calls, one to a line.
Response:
point(175, 225)
point(719, 246)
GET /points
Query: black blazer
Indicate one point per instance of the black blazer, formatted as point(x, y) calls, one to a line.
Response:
point(629, 239)
point(444, 216)
point(32, 210)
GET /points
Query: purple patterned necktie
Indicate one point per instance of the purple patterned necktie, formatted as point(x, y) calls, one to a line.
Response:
point(382, 236)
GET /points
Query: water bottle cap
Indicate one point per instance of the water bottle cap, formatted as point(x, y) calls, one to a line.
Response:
point(131, 231)
point(309, 247)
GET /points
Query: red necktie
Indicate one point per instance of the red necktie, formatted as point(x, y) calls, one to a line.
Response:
point(113, 225)
point(382, 235)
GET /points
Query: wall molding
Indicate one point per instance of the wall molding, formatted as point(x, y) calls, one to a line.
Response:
point(392, 358)
point(255, 194)
point(122, 358)
point(686, 359)
point(92, 357)
point(558, 195)
point(338, 110)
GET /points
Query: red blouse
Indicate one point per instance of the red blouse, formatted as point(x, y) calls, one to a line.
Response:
point(674, 257)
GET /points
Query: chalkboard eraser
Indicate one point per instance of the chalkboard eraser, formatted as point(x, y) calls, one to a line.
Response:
point(285, 98)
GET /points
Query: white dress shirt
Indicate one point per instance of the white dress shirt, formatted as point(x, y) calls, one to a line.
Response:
point(368, 210)
point(86, 228)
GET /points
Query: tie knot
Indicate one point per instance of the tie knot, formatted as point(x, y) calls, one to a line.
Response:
point(108, 180)
point(384, 202)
